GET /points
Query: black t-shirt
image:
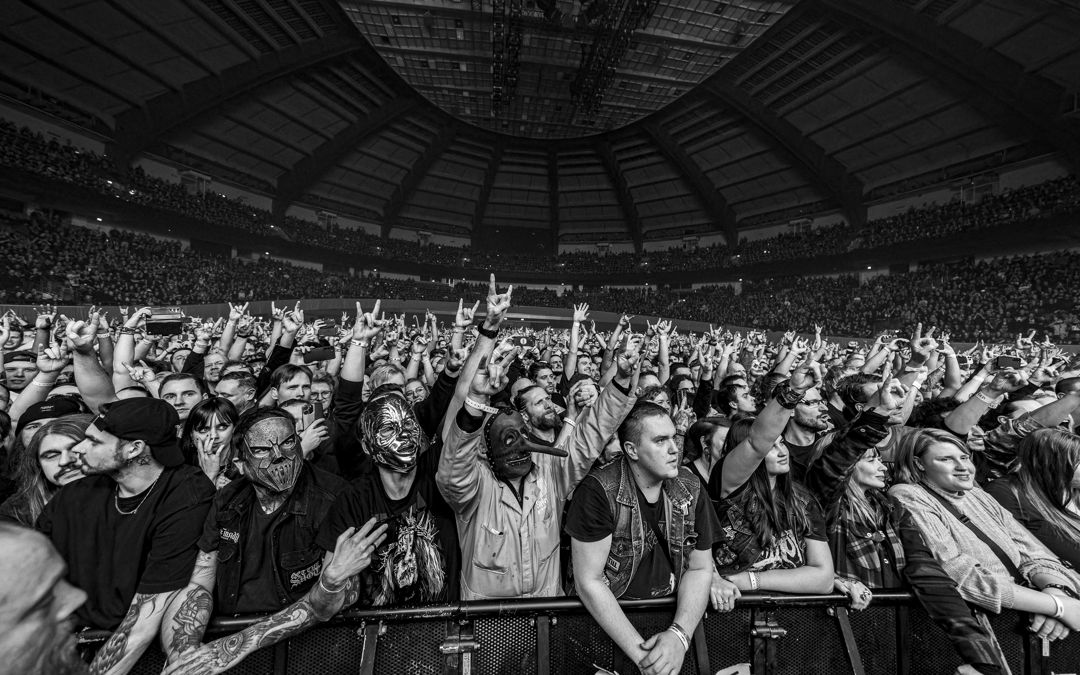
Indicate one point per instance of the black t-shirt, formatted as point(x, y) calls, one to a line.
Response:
point(257, 592)
point(590, 519)
point(421, 543)
point(800, 458)
point(113, 556)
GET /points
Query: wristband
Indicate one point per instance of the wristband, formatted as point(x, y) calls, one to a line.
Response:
point(753, 580)
point(991, 402)
point(1064, 589)
point(331, 591)
point(681, 634)
point(1060, 607)
point(41, 384)
point(492, 333)
point(569, 421)
point(103, 333)
point(358, 343)
point(127, 331)
point(787, 397)
point(477, 405)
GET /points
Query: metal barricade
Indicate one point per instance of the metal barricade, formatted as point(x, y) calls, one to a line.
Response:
point(775, 634)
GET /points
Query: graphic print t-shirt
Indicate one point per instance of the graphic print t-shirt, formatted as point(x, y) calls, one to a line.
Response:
point(418, 561)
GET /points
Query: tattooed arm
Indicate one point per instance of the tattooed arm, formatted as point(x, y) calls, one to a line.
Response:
point(184, 631)
point(338, 587)
point(134, 635)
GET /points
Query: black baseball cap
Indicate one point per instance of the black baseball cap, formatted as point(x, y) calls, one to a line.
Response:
point(50, 409)
point(144, 419)
point(21, 355)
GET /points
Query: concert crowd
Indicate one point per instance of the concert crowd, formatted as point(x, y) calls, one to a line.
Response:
point(160, 470)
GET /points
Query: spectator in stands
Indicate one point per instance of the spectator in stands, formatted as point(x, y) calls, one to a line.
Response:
point(663, 551)
point(239, 389)
point(46, 465)
point(703, 446)
point(19, 368)
point(290, 382)
point(183, 392)
point(37, 607)
point(128, 530)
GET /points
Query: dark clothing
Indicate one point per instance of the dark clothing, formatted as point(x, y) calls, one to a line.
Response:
point(739, 549)
point(607, 502)
point(349, 403)
point(421, 546)
point(279, 356)
point(703, 399)
point(113, 556)
point(590, 519)
point(1010, 494)
point(801, 456)
point(869, 553)
point(968, 630)
point(267, 562)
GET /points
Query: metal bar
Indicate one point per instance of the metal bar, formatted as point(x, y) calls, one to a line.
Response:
point(701, 650)
point(903, 641)
point(281, 658)
point(370, 644)
point(851, 649)
point(543, 645)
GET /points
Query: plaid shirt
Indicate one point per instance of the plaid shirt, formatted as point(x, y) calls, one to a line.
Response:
point(873, 556)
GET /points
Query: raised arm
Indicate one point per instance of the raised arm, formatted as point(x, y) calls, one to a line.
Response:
point(581, 312)
point(746, 456)
point(94, 383)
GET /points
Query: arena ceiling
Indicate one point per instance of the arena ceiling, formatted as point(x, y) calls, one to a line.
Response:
point(571, 121)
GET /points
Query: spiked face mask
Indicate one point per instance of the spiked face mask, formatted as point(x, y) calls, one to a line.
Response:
point(390, 433)
point(509, 447)
point(270, 454)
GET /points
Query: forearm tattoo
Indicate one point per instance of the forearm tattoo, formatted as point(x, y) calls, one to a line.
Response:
point(117, 646)
point(190, 621)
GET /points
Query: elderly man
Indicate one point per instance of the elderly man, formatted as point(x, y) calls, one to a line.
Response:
point(128, 530)
point(37, 607)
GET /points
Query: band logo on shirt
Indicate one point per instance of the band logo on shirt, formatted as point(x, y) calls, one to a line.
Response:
point(229, 535)
point(306, 574)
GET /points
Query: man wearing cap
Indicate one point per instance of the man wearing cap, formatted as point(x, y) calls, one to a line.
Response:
point(128, 531)
point(509, 509)
point(19, 368)
point(40, 413)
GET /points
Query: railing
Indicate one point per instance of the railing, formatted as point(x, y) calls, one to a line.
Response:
point(774, 634)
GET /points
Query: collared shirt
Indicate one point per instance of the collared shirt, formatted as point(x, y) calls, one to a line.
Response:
point(511, 548)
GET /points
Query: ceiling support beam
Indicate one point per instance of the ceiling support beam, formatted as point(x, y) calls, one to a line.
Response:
point(292, 184)
point(408, 184)
point(485, 192)
point(139, 127)
point(719, 211)
point(1000, 88)
point(553, 199)
point(622, 192)
point(831, 177)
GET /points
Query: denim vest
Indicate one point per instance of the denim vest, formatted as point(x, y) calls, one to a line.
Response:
point(680, 497)
point(297, 559)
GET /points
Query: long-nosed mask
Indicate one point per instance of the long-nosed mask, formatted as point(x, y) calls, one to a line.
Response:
point(509, 448)
point(270, 454)
point(389, 431)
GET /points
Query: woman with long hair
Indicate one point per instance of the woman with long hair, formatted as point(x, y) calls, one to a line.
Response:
point(994, 561)
point(1043, 493)
point(44, 467)
point(774, 530)
point(703, 446)
point(207, 439)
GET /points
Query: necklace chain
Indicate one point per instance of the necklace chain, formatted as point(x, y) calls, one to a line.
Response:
point(116, 499)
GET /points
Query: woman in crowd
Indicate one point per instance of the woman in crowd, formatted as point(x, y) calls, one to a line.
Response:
point(44, 467)
point(207, 439)
point(774, 529)
point(703, 446)
point(1043, 494)
point(993, 560)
